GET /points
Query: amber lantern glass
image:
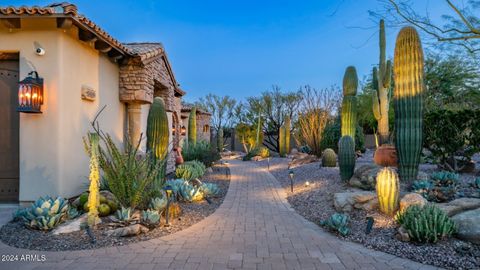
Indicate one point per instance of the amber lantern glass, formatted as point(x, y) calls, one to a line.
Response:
point(30, 94)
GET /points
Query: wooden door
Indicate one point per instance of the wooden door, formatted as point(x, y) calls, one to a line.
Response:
point(9, 129)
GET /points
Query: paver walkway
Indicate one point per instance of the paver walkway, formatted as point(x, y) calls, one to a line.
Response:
point(254, 228)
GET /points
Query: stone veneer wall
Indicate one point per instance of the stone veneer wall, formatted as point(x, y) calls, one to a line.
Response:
point(202, 121)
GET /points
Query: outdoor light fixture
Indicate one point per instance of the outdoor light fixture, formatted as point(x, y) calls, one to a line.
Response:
point(173, 129)
point(307, 183)
point(268, 163)
point(30, 94)
point(168, 189)
point(183, 131)
point(370, 222)
point(290, 173)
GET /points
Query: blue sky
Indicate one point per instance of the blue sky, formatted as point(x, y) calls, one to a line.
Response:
point(241, 48)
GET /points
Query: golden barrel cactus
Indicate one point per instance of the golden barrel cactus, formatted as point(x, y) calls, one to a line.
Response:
point(388, 191)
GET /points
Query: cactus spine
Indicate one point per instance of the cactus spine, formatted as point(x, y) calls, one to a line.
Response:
point(220, 140)
point(346, 157)
point(381, 83)
point(157, 130)
point(388, 189)
point(329, 158)
point(192, 126)
point(94, 177)
point(408, 100)
point(349, 103)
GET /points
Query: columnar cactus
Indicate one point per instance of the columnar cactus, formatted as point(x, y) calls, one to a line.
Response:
point(157, 130)
point(381, 83)
point(287, 127)
point(388, 191)
point(220, 139)
point(329, 158)
point(282, 141)
point(408, 100)
point(94, 177)
point(349, 103)
point(192, 126)
point(346, 157)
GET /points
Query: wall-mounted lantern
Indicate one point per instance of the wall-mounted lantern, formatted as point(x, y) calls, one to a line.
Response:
point(173, 129)
point(30, 94)
point(183, 131)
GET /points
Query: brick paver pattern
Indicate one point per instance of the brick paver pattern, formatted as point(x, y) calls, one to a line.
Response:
point(254, 228)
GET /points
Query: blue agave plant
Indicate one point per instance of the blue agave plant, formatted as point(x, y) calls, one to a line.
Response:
point(210, 189)
point(44, 214)
point(338, 222)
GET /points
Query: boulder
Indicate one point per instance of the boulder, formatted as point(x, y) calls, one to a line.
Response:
point(131, 230)
point(459, 205)
point(108, 195)
point(402, 234)
point(411, 199)
point(302, 160)
point(347, 201)
point(468, 225)
point(72, 225)
point(293, 151)
point(365, 177)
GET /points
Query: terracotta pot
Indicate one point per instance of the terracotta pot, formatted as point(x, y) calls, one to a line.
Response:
point(386, 155)
point(178, 156)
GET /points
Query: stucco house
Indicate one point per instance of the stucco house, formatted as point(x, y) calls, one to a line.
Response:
point(83, 69)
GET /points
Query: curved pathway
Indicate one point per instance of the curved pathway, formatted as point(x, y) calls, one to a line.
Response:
point(254, 228)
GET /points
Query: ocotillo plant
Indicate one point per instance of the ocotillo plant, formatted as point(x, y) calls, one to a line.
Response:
point(408, 100)
point(220, 139)
point(381, 83)
point(349, 103)
point(388, 190)
point(94, 177)
point(157, 130)
point(346, 157)
point(192, 127)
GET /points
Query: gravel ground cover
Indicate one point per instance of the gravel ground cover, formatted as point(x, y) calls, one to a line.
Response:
point(315, 203)
point(17, 235)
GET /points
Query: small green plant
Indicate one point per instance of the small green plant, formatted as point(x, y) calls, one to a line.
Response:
point(72, 213)
point(441, 187)
point(190, 193)
point(337, 222)
point(257, 151)
point(44, 214)
point(151, 218)
point(124, 214)
point(476, 183)
point(159, 203)
point(210, 189)
point(190, 170)
point(201, 151)
point(329, 158)
point(427, 224)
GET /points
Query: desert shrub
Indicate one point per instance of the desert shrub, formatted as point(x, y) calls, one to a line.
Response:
point(331, 136)
point(257, 151)
point(452, 137)
point(131, 177)
point(337, 222)
point(247, 134)
point(441, 187)
point(201, 151)
point(427, 224)
point(190, 170)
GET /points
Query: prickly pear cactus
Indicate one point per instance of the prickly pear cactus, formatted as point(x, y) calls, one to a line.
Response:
point(408, 100)
point(388, 191)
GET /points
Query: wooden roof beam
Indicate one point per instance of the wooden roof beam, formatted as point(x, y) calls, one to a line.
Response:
point(11, 23)
point(86, 36)
point(64, 23)
point(102, 46)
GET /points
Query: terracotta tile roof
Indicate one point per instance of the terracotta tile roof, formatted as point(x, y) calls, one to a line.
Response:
point(186, 107)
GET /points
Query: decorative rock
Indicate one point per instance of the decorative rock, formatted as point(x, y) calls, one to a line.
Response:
point(73, 225)
point(411, 199)
point(347, 201)
point(468, 225)
point(294, 151)
point(459, 205)
point(301, 159)
point(403, 235)
point(257, 158)
point(131, 230)
point(365, 177)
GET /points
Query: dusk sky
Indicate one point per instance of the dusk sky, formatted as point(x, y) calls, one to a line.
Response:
point(241, 48)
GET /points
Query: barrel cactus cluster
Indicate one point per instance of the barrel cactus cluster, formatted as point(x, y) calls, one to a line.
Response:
point(329, 158)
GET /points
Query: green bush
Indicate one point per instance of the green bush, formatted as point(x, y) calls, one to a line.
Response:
point(258, 151)
point(452, 137)
point(190, 170)
point(201, 151)
point(331, 136)
point(427, 224)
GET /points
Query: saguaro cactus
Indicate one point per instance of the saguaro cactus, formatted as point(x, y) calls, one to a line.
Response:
point(220, 139)
point(287, 127)
point(388, 190)
point(346, 157)
point(192, 126)
point(94, 177)
point(381, 83)
point(349, 103)
point(282, 141)
point(408, 100)
point(157, 130)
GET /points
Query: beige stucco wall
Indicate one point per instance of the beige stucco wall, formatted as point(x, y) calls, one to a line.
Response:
point(52, 157)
